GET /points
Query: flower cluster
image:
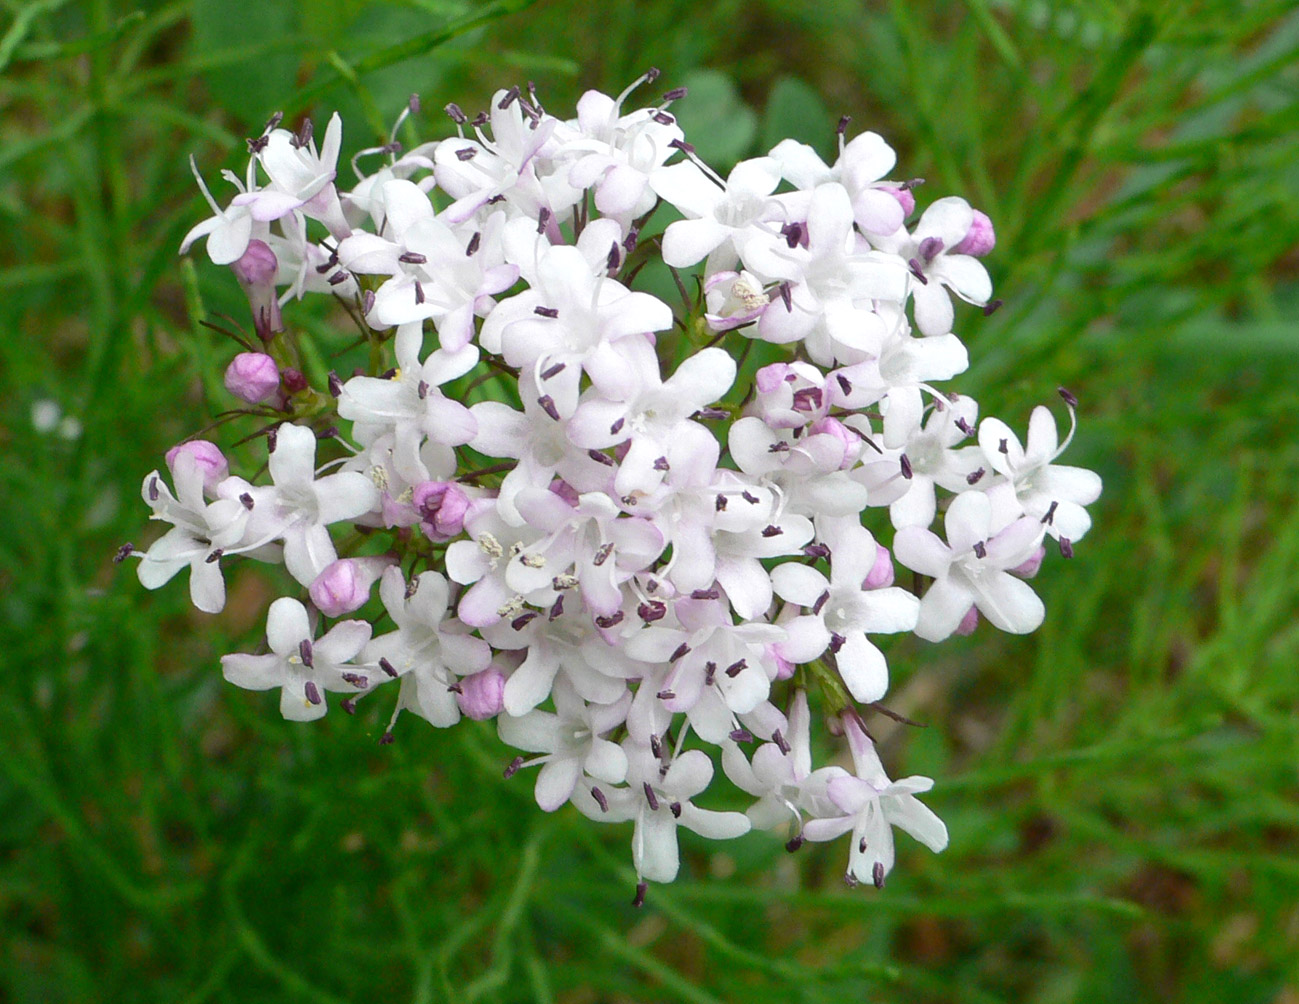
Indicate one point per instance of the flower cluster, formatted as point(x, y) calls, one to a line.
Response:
point(627, 533)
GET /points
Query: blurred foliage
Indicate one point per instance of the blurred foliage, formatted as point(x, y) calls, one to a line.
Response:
point(1121, 788)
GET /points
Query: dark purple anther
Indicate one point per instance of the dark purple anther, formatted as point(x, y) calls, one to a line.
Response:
point(474, 241)
point(602, 555)
point(639, 899)
point(877, 874)
point(421, 389)
point(294, 381)
point(629, 242)
point(845, 384)
point(1003, 448)
point(153, 488)
point(615, 258)
point(547, 404)
point(821, 602)
point(1049, 518)
point(930, 248)
point(348, 705)
point(781, 742)
point(512, 767)
point(617, 427)
point(666, 695)
point(836, 642)
point(663, 118)
point(338, 278)
point(304, 651)
point(550, 312)
point(356, 680)
point(704, 594)
point(771, 530)
point(675, 808)
point(367, 300)
point(980, 549)
point(215, 556)
point(122, 553)
point(740, 736)
point(682, 145)
point(650, 797)
point(917, 271)
point(736, 668)
point(600, 458)
point(964, 426)
point(543, 219)
point(749, 497)
point(479, 120)
point(1066, 547)
point(786, 297)
point(610, 621)
point(652, 611)
point(681, 650)
point(557, 608)
point(974, 476)
point(661, 464)
point(508, 100)
point(1068, 398)
point(600, 800)
point(710, 672)
point(387, 739)
point(807, 399)
point(656, 746)
point(992, 307)
point(795, 842)
point(387, 667)
point(842, 127)
point(553, 370)
point(793, 234)
point(411, 587)
point(412, 258)
point(523, 620)
point(312, 692)
point(719, 504)
point(456, 114)
point(466, 153)
point(419, 293)
point(817, 550)
point(905, 462)
point(335, 384)
point(780, 446)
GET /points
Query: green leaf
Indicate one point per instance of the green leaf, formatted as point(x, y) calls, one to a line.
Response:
point(716, 119)
point(795, 111)
point(252, 89)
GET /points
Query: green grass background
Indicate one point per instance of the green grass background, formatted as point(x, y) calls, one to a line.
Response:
point(1121, 788)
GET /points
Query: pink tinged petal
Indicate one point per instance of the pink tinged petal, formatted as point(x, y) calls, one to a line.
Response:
point(714, 825)
point(852, 555)
point(966, 276)
point(654, 845)
point(889, 611)
point(969, 520)
point(479, 604)
point(228, 241)
point(747, 585)
point(851, 794)
point(948, 219)
point(798, 583)
point(253, 672)
point(688, 242)
point(689, 774)
point(1015, 544)
point(693, 558)
point(404, 204)
point(292, 462)
point(933, 308)
point(207, 588)
point(555, 782)
point(449, 422)
point(943, 608)
point(295, 706)
point(820, 830)
point(344, 496)
point(863, 668)
point(342, 642)
point(912, 816)
point(599, 589)
point(1009, 603)
point(606, 761)
point(308, 550)
point(465, 563)
point(638, 471)
point(620, 190)
point(464, 654)
point(267, 204)
point(531, 682)
point(287, 626)
point(876, 211)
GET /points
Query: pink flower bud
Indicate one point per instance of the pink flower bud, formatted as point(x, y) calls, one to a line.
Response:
point(1029, 568)
point(482, 695)
point(339, 589)
point(969, 622)
point(905, 199)
point(980, 240)
point(849, 440)
point(881, 573)
point(209, 459)
point(442, 506)
point(252, 377)
point(345, 584)
point(294, 380)
point(258, 265)
point(769, 378)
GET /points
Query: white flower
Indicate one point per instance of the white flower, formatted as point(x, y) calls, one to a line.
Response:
point(870, 805)
point(300, 667)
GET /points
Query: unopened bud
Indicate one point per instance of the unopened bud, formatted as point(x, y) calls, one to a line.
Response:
point(208, 458)
point(969, 622)
point(980, 239)
point(482, 695)
point(881, 573)
point(905, 199)
point(442, 506)
point(252, 377)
